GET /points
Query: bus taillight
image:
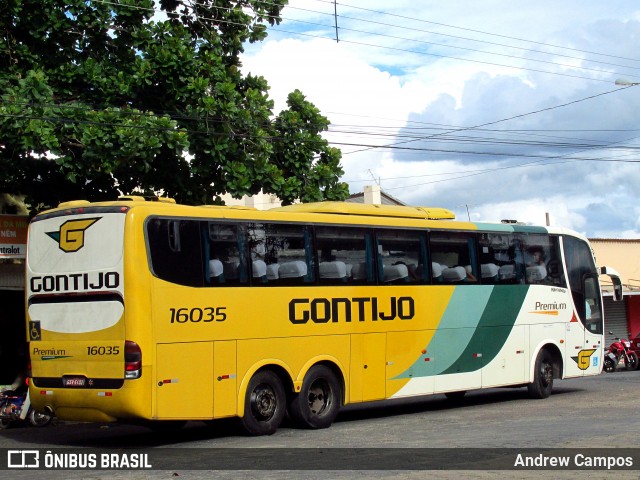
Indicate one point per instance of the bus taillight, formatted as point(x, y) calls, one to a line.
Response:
point(132, 360)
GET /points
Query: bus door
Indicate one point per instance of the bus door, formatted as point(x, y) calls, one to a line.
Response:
point(594, 326)
point(368, 367)
point(584, 333)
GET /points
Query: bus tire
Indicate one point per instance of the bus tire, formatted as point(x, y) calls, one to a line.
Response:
point(542, 376)
point(319, 400)
point(632, 364)
point(38, 419)
point(264, 404)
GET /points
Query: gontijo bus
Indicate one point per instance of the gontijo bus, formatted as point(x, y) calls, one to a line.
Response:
point(134, 306)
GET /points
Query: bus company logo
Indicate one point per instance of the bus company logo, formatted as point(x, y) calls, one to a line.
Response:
point(583, 358)
point(70, 237)
point(359, 309)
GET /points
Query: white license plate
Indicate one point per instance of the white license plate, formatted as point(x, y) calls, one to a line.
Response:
point(74, 382)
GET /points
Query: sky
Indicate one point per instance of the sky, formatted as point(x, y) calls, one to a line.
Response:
point(495, 110)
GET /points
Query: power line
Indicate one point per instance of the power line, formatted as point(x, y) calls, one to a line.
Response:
point(442, 135)
point(445, 135)
point(418, 30)
point(497, 121)
point(331, 38)
point(403, 17)
point(528, 164)
point(469, 60)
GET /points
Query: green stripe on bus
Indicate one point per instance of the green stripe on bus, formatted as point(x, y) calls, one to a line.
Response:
point(460, 319)
point(497, 321)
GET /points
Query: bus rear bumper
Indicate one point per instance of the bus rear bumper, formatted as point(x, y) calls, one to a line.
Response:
point(89, 405)
point(83, 415)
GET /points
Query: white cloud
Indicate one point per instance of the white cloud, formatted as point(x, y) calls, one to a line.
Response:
point(390, 84)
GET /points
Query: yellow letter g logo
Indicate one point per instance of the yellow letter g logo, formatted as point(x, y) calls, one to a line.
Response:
point(584, 357)
point(70, 237)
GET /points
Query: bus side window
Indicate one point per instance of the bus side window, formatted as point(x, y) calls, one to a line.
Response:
point(501, 258)
point(284, 250)
point(555, 266)
point(543, 260)
point(497, 265)
point(175, 252)
point(402, 256)
point(455, 253)
point(227, 264)
point(344, 256)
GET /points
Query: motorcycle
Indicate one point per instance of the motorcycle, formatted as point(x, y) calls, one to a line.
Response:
point(620, 352)
point(15, 407)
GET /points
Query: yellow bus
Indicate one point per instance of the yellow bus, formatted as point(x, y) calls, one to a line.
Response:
point(135, 305)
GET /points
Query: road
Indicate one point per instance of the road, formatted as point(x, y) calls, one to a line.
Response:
point(585, 413)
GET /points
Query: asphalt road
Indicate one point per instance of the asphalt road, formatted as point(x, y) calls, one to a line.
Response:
point(581, 414)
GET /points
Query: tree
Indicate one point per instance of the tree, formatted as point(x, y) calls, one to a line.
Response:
point(100, 98)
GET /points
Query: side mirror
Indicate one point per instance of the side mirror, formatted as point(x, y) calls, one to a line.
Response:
point(617, 290)
point(615, 280)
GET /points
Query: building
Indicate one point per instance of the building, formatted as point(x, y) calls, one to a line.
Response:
point(621, 318)
point(260, 201)
point(374, 195)
point(13, 341)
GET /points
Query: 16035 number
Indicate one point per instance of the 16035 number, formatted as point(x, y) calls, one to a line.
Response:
point(196, 315)
point(108, 350)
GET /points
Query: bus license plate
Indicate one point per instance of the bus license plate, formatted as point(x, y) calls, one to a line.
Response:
point(74, 381)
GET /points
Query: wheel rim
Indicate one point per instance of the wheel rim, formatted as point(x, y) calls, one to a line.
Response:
point(319, 397)
point(546, 374)
point(40, 418)
point(263, 402)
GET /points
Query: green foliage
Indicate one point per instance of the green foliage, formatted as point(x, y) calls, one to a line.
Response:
point(99, 99)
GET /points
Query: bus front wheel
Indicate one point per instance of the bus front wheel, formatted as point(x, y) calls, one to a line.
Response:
point(542, 376)
point(264, 405)
point(319, 400)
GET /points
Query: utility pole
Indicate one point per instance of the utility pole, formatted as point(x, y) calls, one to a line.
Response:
point(335, 16)
point(466, 205)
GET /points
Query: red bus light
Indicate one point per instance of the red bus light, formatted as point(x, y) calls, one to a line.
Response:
point(132, 360)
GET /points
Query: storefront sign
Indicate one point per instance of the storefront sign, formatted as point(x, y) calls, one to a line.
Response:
point(13, 236)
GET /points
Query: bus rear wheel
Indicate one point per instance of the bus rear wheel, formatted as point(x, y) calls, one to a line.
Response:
point(542, 376)
point(319, 400)
point(38, 419)
point(264, 405)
